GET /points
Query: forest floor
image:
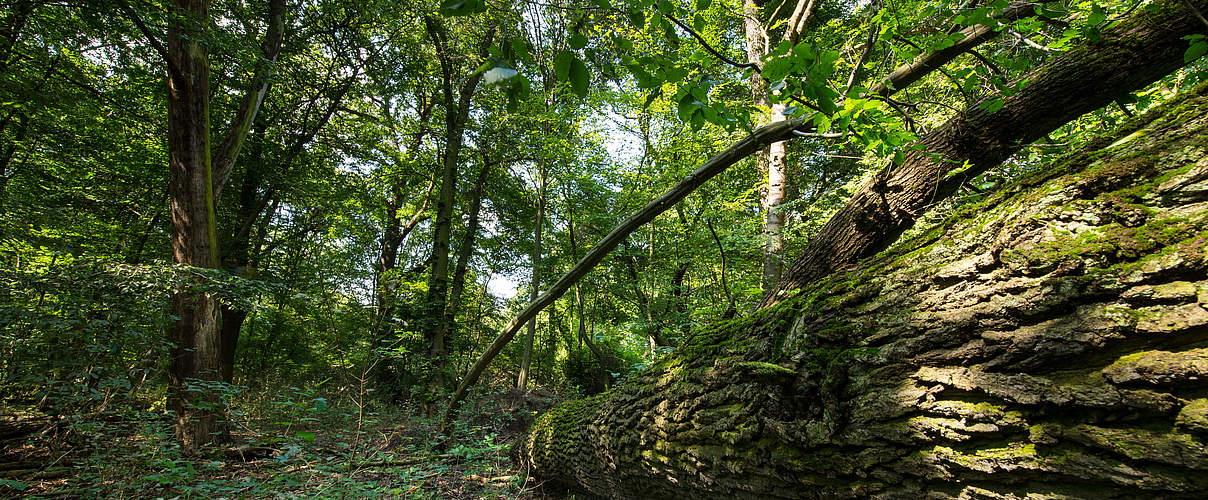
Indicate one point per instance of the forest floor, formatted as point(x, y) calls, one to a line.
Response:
point(304, 448)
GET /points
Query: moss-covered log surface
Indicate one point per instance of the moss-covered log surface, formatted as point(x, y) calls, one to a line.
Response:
point(1048, 341)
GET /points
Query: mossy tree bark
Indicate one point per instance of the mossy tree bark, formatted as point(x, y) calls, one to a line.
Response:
point(1049, 339)
point(195, 354)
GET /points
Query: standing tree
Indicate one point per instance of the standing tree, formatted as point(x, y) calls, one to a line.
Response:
point(459, 82)
point(197, 173)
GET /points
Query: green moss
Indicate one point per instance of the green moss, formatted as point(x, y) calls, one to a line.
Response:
point(762, 369)
point(1112, 243)
point(1012, 455)
point(1194, 416)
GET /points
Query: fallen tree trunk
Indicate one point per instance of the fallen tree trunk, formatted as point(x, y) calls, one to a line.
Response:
point(1051, 339)
point(1140, 50)
point(758, 139)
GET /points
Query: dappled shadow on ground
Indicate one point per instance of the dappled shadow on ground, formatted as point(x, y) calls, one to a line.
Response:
point(335, 452)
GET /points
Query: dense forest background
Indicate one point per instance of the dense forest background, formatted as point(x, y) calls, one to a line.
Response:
point(255, 246)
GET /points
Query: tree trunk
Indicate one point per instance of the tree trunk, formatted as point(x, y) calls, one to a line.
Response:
point(774, 216)
point(237, 249)
point(772, 160)
point(457, 112)
point(396, 232)
point(1046, 341)
point(1137, 52)
point(466, 250)
point(579, 313)
point(522, 378)
point(194, 357)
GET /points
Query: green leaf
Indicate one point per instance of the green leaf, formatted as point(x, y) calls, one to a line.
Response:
point(698, 120)
point(675, 74)
point(520, 48)
point(562, 65)
point(623, 43)
point(654, 94)
point(686, 106)
point(822, 123)
point(703, 4)
point(778, 68)
point(637, 18)
point(1195, 51)
point(1097, 16)
point(578, 77)
point(577, 41)
point(993, 105)
point(644, 78)
point(457, 8)
point(307, 436)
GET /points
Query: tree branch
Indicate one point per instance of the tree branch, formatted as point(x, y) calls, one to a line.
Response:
point(974, 36)
point(708, 47)
point(173, 67)
point(228, 149)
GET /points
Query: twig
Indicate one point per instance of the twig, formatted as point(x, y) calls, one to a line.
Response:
point(1195, 11)
point(173, 69)
point(1027, 41)
point(828, 135)
point(710, 48)
point(872, 39)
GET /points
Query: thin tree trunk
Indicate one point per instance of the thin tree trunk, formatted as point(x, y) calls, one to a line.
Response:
point(457, 112)
point(772, 160)
point(731, 308)
point(522, 378)
point(237, 253)
point(466, 250)
point(580, 316)
point(395, 231)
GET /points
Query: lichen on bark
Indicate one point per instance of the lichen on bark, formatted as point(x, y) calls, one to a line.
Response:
point(1048, 340)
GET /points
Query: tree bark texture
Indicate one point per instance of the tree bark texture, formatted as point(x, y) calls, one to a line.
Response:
point(1137, 52)
point(774, 215)
point(1046, 341)
point(195, 353)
